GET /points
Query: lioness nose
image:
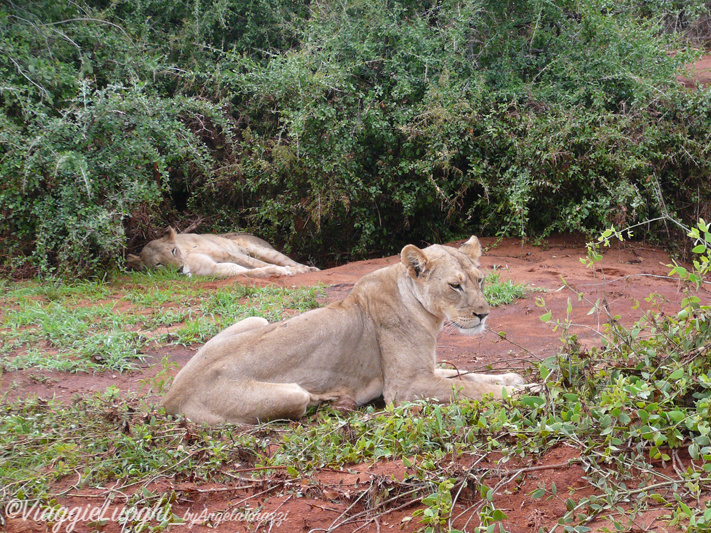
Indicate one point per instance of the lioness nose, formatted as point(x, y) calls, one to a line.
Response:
point(481, 316)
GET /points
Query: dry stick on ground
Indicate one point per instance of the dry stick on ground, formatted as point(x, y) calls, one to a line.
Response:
point(334, 526)
point(505, 338)
point(256, 468)
point(254, 496)
point(518, 471)
point(461, 488)
point(510, 476)
point(388, 511)
point(277, 509)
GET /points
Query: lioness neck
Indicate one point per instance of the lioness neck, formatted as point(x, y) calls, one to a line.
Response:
point(393, 292)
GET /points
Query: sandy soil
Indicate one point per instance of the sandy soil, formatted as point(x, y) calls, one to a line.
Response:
point(628, 274)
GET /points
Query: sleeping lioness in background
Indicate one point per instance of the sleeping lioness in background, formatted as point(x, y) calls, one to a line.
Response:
point(225, 255)
point(378, 341)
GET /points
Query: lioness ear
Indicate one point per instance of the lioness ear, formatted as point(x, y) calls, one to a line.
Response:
point(415, 260)
point(472, 248)
point(134, 261)
point(170, 234)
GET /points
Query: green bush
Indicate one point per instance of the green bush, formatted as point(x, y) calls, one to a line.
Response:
point(83, 174)
point(337, 129)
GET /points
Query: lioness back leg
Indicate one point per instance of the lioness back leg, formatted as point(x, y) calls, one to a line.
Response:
point(183, 390)
point(247, 402)
point(273, 257)
point(203, 265)
point(269, 255)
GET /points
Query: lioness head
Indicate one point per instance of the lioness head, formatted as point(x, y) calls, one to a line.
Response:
point(157, 253)
point(449, 283)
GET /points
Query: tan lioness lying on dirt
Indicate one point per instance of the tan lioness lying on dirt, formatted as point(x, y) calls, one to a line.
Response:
point(223, 256)
point(379, 340)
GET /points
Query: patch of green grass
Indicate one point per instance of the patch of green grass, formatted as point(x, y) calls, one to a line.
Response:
point(503, 292)
point(163, 275)
point(113, 349)
point(166, 317)
point(194, 331)
point(43, 360)
point(270, 302)
point(118, 441)
point(155, 298)
point(54, 290)
point(89, 326)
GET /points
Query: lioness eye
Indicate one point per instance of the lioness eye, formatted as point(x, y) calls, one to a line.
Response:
point(481, 283)
point(456, 286)
point(173, 251)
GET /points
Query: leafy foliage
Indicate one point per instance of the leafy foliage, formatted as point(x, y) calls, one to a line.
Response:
point(80, 327)
point(340, 128)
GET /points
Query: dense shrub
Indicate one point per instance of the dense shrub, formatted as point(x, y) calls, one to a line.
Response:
point(341, 128)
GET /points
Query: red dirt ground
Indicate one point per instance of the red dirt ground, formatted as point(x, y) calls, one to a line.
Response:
point(698, 74)
point(628, 274)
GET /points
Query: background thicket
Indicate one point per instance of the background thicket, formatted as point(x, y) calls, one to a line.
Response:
point(339, 128)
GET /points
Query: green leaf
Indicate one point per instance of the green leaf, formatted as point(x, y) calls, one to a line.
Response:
point(681, 271)
point(532, 401)
point(498, 515)
point(538, 493)
point(676, 416)
point(677, 374)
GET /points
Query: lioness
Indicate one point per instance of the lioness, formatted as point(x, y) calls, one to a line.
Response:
point(225, 255)
point(379, 340)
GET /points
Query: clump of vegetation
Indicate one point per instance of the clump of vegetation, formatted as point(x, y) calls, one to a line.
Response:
point(82, 327)
point(343, 129)
point(502, 292)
